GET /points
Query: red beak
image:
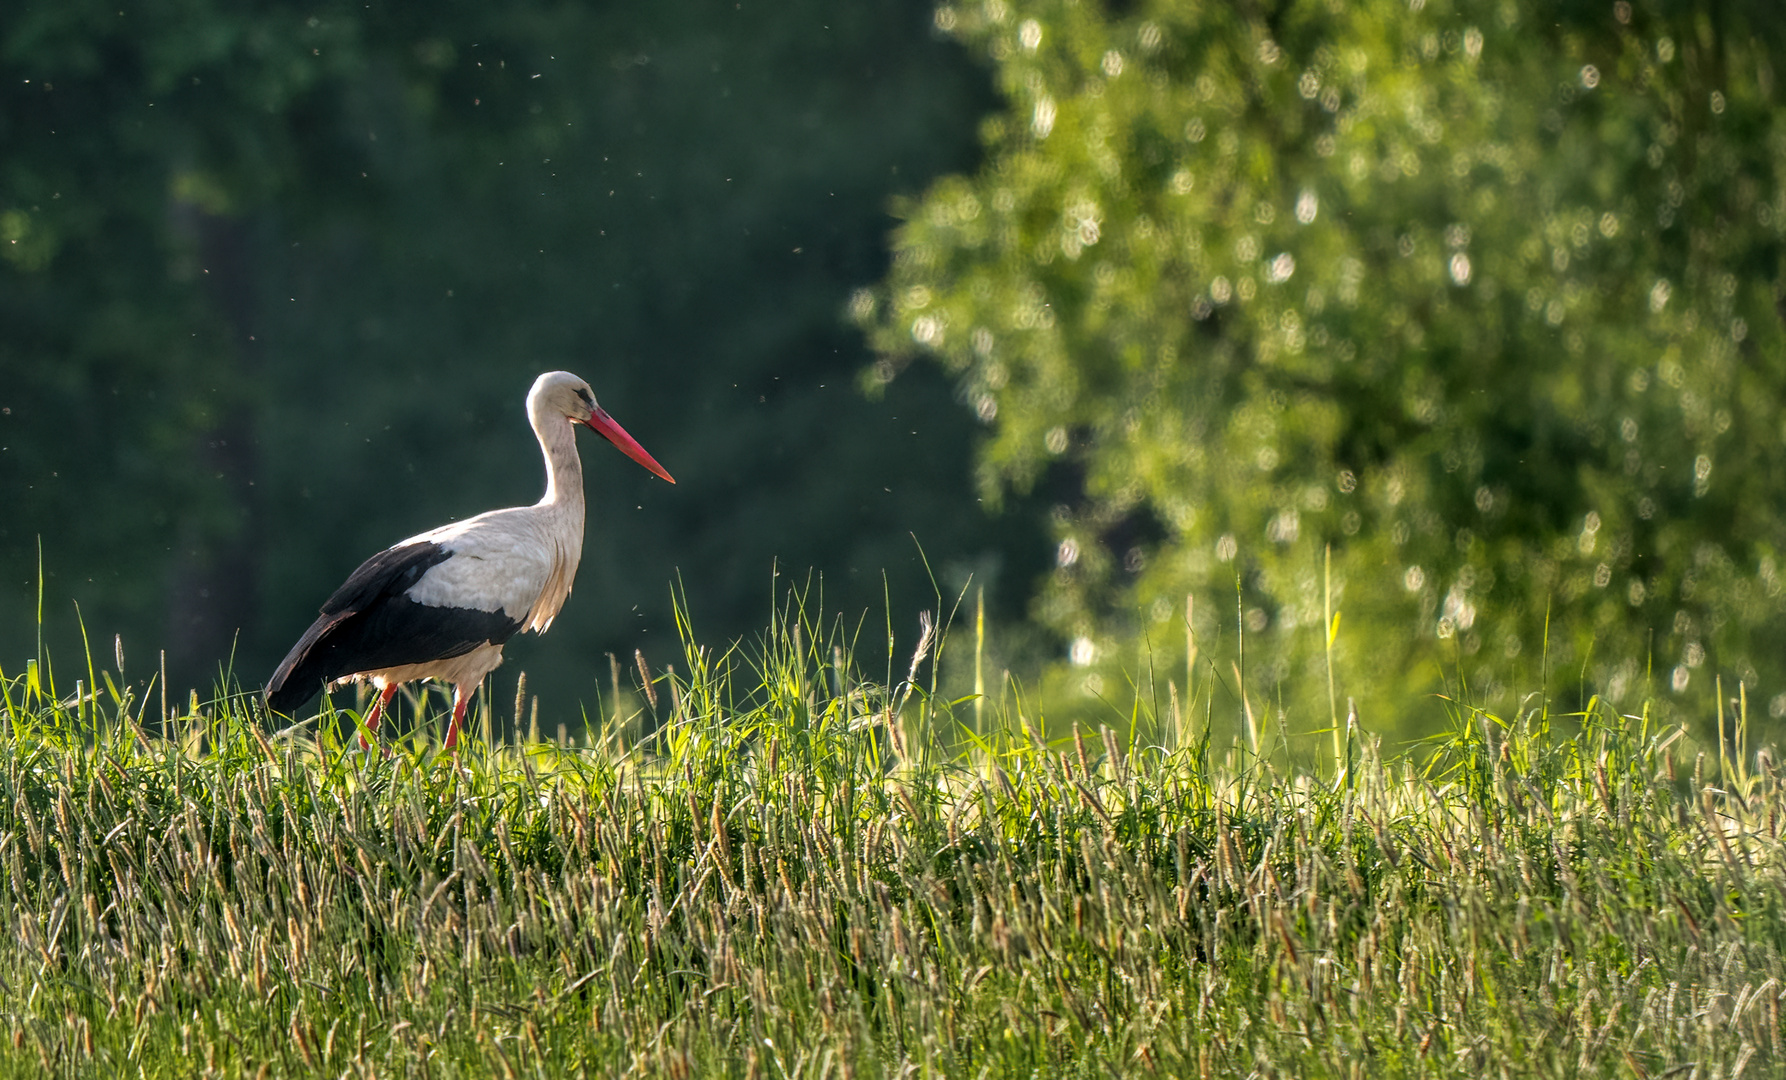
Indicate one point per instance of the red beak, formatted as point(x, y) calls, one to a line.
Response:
point(604, 425)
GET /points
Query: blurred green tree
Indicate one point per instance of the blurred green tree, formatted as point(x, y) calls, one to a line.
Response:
point(1484, 296)
point(138, 145)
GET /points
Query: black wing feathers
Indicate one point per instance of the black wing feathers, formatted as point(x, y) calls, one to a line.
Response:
point(368, 624)
point(391, 572)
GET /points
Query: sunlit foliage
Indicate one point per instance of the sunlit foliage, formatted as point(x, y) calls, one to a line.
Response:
point(1481, 295)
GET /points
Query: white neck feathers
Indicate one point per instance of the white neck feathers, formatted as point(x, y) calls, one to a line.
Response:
point(561, 508)
point(564, 468)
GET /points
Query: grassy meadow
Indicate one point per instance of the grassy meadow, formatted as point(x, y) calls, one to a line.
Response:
point(803, 873)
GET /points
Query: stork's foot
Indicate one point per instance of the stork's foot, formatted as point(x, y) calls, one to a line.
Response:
point(372, 718)
point(452, 735)
point(371, 750)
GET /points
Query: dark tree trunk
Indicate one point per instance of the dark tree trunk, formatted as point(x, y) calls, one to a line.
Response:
point(213, 578)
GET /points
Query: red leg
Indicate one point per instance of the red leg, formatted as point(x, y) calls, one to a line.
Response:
point(459, 701)
point(378, 707)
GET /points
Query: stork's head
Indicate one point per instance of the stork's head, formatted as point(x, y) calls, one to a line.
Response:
point(562, 394)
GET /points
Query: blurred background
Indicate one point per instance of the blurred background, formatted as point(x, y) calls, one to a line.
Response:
point(277, 280)
point(1427, 354)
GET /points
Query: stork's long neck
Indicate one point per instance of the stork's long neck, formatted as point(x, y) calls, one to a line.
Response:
point(564, 469)
point(560, 511)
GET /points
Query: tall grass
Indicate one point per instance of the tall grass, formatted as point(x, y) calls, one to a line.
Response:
point(804, 873)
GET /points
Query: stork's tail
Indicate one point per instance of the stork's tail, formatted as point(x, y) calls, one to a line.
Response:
point(286, 696)
point(300, 676)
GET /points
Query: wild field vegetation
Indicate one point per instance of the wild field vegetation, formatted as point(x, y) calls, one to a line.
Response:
point(780, 882)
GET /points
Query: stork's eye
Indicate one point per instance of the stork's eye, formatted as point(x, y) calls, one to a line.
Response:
point(588, 399)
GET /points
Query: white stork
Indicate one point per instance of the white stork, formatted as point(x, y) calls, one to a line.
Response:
point(441, 604)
